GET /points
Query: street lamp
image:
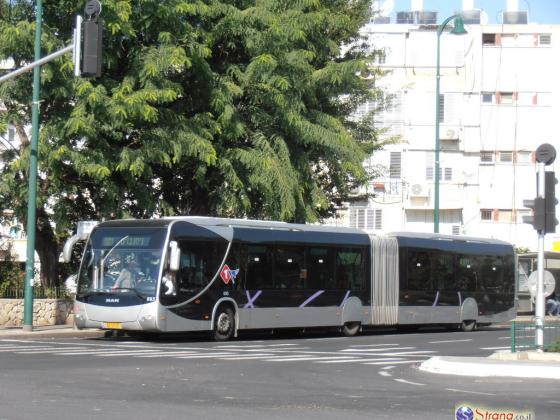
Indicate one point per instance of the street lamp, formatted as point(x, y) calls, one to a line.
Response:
point(458, 29)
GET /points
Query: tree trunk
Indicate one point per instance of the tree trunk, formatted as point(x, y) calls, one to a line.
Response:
point(47, 248)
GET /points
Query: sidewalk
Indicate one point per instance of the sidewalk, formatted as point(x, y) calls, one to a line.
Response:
point(50, 331)
point(516, 365)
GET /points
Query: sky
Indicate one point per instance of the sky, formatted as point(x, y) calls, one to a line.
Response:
point(539, 11)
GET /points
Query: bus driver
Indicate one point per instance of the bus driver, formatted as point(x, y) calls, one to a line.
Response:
point(127, 276)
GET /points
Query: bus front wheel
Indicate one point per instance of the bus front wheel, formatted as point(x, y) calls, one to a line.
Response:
point(468, 325)
point(224, 326)
point(350, 329)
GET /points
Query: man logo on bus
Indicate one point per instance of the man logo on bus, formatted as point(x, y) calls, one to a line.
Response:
point(227, 274)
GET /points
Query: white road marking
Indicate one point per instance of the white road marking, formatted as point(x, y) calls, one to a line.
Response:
point(51, 350)
point(248, 356)
point(23, 348)
point(200, 356)
point(374, 345)
point(386, 359)
point(469, 392)
point(449, 341)
point(374, 350)
point(151, 353)
point(305, 358)
point(407, 353)
point(404, 381)
point(495, 348)
point(384, 373)
point(394, 363)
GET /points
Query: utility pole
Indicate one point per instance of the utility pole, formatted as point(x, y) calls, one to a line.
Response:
point(32, 176)
point(543, 208)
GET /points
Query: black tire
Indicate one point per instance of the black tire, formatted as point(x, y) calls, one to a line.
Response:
point(350, 329)
point(224, 324)
point(468, 325)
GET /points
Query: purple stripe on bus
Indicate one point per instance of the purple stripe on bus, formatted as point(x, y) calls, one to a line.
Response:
point(312, 297)
point(345, 298)
point(436, 299)
point(251, 300)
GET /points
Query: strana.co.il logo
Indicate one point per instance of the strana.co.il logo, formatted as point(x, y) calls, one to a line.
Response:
point(464, 413)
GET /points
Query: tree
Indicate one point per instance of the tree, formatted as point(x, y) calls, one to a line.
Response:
point(228, 108)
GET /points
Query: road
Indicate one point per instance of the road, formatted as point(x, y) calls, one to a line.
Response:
point(314, 376)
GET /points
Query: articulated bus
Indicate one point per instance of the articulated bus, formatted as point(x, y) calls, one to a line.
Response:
point(185, 274)
point(527, 264)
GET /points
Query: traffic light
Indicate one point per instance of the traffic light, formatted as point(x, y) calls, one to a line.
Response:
point(92, 54)
point(550, 200)
point(538, 217)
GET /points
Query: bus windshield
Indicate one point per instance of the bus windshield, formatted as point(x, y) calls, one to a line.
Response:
point(122, 260)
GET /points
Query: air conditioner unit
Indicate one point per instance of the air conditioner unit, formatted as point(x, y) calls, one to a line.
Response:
point(418, 190)
point(449, 134)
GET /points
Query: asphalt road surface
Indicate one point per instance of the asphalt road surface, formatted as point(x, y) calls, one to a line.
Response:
point(310, 376)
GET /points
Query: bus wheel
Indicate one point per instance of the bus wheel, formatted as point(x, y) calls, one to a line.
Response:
point(225, 324)
point(350, 329)
point(468, 325)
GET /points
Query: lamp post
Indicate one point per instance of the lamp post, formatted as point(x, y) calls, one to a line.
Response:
point(458, 29)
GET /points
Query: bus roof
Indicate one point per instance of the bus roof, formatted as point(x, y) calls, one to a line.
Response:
point(225, 222)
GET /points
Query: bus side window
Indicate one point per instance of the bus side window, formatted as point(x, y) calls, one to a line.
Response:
point(320, 268)
point(443, 271)
point(288, 266)
point(418, 270)
point(259, 268)
point(466, 273)
point(350, 273)
point(492, 273)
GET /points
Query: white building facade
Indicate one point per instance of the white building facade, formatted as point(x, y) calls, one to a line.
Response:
point(499, 100)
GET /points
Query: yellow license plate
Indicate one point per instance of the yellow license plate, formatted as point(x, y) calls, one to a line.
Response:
point(113, 325)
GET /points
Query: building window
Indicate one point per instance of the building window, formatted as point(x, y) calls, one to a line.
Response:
point(505, 216)
point(545, 39)
point(448, 174)
point(488, 39)
point(430, 173)
point(524, 157)
point(506, 98)
point(485, 214)
point(366, 218)
point(455, 230)
point(486, 157)
point(506, 157)
point(395, 165)
point(381, 56)
point(487, 97)
point(441, 110)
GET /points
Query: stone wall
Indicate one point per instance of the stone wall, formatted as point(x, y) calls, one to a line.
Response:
point(45, 312)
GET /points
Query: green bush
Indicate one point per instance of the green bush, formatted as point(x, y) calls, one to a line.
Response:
point(554, 347)
point(12, 275)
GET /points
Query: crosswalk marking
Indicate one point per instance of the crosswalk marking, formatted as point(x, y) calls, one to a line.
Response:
point(375, 350)
point(387, 359)
point(381, 354)
point(394, 363)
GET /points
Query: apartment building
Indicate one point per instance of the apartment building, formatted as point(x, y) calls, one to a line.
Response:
point(499, 98)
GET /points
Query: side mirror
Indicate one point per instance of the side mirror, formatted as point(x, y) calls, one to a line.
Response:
point(174, 256)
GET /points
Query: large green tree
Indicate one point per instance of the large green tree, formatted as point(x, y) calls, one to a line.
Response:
point(211, 107)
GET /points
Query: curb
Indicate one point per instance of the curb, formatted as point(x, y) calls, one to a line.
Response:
point(485, 367)
point(51, 333)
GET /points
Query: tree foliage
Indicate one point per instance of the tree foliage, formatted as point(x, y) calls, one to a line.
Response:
point(206, 107)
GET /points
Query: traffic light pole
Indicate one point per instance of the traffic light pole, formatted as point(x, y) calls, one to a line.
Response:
point(539, 299)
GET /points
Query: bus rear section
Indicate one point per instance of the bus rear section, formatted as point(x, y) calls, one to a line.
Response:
point(439, 279)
